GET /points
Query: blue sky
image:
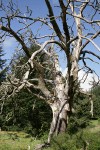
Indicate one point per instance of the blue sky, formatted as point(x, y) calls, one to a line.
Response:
point(40, 10)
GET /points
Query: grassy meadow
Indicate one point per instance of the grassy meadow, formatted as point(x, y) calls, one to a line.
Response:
point(17, 141)
point(87, 139)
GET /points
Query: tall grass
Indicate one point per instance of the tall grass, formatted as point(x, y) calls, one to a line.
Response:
point(80, 141)
point(87, 139)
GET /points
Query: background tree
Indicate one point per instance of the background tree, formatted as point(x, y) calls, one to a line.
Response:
point(96, 101)
point(24, 111)
point(71, 37)
point(2, 65)
point(80, 119)
point(3, 71)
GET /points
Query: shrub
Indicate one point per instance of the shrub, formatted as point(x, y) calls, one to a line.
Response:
point(81, 140)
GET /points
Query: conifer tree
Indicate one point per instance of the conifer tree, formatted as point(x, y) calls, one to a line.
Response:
point(2, 65)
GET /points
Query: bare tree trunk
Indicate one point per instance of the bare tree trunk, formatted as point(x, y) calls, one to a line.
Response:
point(91, 104)
point(59, 120)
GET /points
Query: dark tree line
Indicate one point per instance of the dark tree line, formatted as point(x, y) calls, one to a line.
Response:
point(2, 65)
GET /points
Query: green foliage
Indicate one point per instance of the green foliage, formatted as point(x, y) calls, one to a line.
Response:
point(88, 138)
point(93, 140)
point(2, 78)
point(42, 116)
point(2, 65)
point(96, 101)
point(81, 140)
point(26, 112)
point(63, 142)
point(81, 116)
point(2, 61)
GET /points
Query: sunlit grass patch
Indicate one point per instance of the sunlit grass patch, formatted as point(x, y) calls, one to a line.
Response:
point(95, 122)
point(16, 141)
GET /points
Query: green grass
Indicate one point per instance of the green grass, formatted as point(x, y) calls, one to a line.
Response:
point(94, 126)
point(21, 140)
point(89, 136)
point(82, 140)
point(16, 141)
point(94, 122)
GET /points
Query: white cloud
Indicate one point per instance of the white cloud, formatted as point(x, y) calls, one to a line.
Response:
point(85, 80)
point(8, 43)
point(64, 72)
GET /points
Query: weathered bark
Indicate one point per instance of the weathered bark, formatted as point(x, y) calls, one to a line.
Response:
point(60, 118)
